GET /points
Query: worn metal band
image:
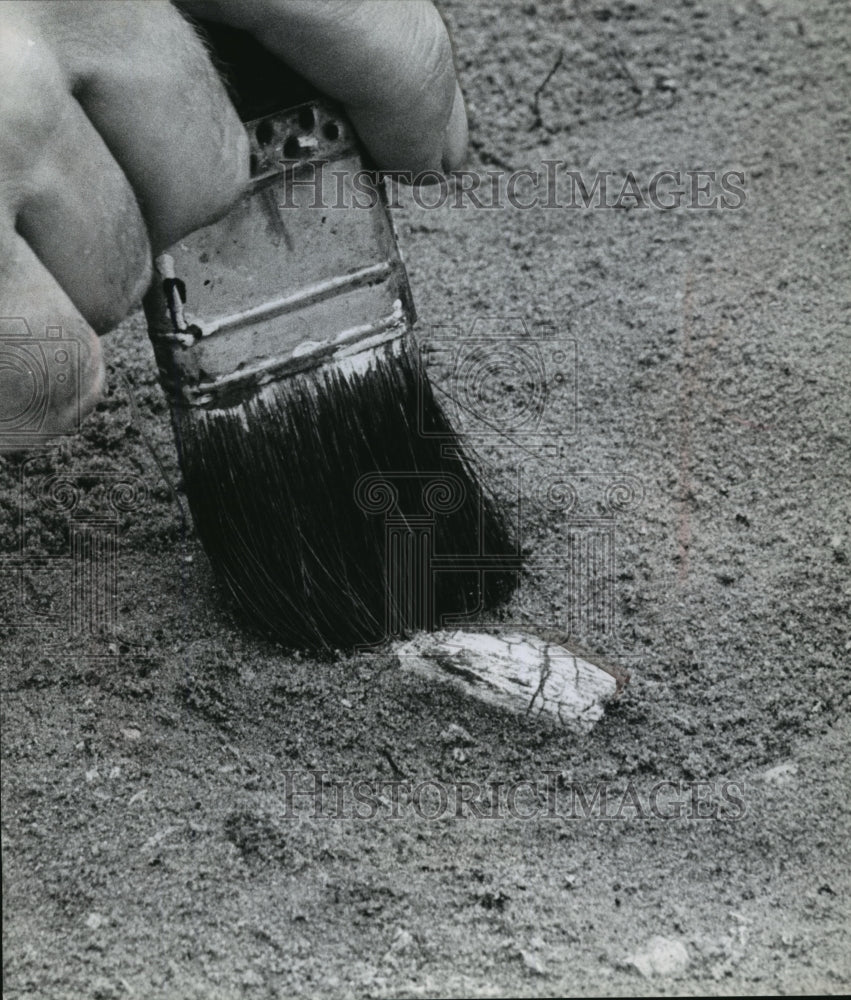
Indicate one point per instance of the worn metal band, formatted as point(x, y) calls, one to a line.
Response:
point(208, 351)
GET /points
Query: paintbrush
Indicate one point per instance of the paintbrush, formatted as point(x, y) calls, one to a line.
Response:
point(329, 490)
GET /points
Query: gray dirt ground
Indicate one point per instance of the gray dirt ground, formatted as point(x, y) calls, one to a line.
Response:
point(145, 849)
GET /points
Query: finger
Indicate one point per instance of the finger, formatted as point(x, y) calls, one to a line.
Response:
point(51, 368)
point(147, 85)
point(79, 215)
point(388, 61)
point(64, 193)
point(455, 145)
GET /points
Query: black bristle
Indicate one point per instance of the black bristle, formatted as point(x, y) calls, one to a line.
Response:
point(272, 488)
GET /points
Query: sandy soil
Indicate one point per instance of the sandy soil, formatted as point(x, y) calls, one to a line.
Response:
point(149, 847)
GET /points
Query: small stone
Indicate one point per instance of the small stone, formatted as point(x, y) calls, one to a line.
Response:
point(102, 989)
point(94, 921)
point(661, 957)
point(131, 733)
point(532, 962)
point(402, 940)
point(781, 775)
point(456, 734)
point(251, 977)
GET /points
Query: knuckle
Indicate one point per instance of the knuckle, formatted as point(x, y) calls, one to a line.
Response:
point(33, 87)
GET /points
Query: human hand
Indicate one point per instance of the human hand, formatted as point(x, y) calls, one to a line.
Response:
point(118, 139)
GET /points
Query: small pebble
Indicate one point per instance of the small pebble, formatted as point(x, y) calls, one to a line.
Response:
point(402, 940)
point(661, 957)
point(781, 775)
point(456, 734)
point(251, 977)
point(533, 962)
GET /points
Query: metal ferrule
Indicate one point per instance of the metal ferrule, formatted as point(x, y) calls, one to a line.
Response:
point(303, 272)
